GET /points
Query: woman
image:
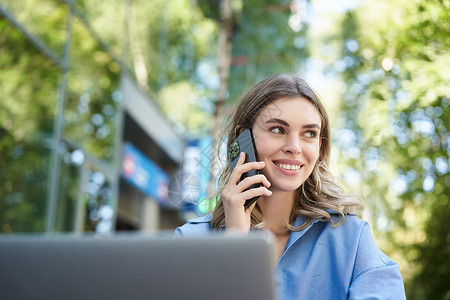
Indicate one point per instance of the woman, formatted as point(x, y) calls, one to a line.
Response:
point(323, 250)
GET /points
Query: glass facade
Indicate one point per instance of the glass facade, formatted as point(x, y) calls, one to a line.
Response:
point(68, 104)
point(106, 19)
point(44, 19)
point(71, 161)
point(29, 83)
point(92, 95)
point(54, 67)
point(98, 211)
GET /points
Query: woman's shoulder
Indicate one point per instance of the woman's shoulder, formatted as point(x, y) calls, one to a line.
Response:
point(349, 228)
point(356, 234)
point(195, 227)
point(346, 222)
point(352, 225)
point(351, 221)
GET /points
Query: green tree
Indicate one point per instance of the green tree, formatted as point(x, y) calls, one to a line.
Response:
point(269, 37)
point(394, 60)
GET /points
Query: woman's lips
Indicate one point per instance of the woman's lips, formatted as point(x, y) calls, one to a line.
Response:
point(288, 167)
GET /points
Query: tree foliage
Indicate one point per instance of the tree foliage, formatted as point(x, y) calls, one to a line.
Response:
point(269, 38)
point(394, 60)
point(164, 45)
point(28, 89)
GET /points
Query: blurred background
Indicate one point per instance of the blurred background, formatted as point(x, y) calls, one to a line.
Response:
point(108, 111)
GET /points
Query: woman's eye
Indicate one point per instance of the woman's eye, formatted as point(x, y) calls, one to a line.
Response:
point(311, 134)
point(277, 130)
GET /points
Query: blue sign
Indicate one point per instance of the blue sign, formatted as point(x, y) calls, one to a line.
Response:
point(144, 174)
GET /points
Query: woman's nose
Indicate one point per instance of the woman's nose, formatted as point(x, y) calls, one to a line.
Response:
point(292, 145)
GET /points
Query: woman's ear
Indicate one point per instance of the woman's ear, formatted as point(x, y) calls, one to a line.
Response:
point(238, 130)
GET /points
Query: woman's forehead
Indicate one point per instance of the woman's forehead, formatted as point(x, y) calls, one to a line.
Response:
point(290, 110)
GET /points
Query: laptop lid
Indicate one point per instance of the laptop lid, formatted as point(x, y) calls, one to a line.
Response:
point(135, 267)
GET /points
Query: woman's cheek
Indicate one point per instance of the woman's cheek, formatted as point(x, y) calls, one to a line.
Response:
point(312, 150)
point(262, 148)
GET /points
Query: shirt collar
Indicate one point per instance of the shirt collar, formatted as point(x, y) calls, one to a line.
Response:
point(296, 235)
point(203, 219)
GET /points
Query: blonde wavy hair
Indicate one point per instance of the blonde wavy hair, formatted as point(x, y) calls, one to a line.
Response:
point(320, 192)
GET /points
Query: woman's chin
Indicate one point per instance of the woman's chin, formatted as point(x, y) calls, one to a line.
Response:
point(284, 188)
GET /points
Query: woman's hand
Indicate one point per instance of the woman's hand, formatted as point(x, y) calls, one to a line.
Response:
point(237, 218)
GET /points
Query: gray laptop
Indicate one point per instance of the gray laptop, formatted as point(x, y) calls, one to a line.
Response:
point(135, 267)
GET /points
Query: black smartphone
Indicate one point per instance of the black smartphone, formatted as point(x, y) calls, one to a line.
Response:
point(244, 143)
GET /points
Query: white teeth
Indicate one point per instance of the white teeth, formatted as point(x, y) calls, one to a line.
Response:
point(288, 167)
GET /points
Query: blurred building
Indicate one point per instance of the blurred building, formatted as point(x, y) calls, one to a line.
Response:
point(81, 147)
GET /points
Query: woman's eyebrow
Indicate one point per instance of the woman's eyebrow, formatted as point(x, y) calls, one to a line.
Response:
point(312, 126)
point(282, 122)
point(276, 120)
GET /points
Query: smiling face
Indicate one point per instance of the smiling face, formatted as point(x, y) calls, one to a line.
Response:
point(289, 143)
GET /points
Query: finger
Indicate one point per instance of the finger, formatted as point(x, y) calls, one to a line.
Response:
point(256, 192)
point(241, 159)
point(257, 165)
point(235, 174)
point(248, 181)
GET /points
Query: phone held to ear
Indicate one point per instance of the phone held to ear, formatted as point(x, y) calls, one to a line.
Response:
point(244, 143)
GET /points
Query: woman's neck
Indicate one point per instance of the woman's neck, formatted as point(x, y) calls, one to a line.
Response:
point(277, 210)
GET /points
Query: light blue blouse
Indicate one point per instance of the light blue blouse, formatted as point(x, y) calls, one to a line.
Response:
point(325, 262)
